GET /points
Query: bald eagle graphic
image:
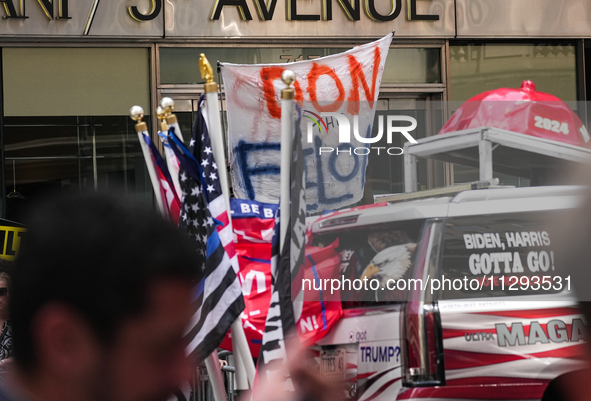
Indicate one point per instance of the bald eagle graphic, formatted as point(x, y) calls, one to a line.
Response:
point(390, 263)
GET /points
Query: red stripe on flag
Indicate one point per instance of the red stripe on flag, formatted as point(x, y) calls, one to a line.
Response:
point(230, 250)
point(222, 218)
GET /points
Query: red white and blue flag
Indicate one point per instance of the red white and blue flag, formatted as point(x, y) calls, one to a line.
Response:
point(171, 161)
point(171, 203)
point(253, 224)
point(218, 295)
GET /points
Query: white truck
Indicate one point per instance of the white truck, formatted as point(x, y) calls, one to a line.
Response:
point(502, 326)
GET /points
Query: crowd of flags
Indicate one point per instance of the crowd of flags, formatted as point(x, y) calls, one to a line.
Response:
point(189, 193)
point(286, 262)
point(191, 196)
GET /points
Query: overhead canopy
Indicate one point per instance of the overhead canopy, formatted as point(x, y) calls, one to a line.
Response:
point(492, 149)
point(522, 110)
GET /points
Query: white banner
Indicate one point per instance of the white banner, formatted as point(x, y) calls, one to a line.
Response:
point(338, 97)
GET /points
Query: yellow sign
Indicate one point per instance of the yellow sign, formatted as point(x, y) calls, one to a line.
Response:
point(10, 240)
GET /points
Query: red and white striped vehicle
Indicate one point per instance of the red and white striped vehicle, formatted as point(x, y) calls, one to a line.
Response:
point(506, 325)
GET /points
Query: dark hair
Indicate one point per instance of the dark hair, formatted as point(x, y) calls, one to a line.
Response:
point(96, 253)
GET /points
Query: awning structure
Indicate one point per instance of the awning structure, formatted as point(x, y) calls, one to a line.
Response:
point(492, 149)
point(516, 131)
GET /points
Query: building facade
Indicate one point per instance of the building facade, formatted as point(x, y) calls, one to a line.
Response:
point(71, 69)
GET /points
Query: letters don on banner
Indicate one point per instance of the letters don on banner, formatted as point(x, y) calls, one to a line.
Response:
point(347, 83)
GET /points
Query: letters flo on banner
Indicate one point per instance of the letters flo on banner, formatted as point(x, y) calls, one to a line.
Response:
point(347, 83)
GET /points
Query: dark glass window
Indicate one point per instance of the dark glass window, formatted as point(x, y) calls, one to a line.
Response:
point(48, 154)
point(178, 65)
point(66, 122)
point(378, 252)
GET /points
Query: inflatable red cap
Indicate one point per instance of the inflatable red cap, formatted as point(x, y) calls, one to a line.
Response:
point(522, 110)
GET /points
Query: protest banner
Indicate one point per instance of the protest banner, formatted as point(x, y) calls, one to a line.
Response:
point(253, 224)
point(344, 85)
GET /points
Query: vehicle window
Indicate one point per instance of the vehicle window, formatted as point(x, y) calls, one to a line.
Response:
point(501, 255)
point(371, 256)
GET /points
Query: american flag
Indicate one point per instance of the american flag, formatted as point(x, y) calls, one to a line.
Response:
point(162, 180)
point(218, 295)
point(171, 161)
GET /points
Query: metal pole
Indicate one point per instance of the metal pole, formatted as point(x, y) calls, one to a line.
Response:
point(410, 171)
point(167, 106)
point(2, 150)
point(171, 160)
point(220, 95)
point(217, 140)
point(215, 375)
point(287, 111)
point(137, 113)
point(94, 163)
point(244, 361)
point(485, 160)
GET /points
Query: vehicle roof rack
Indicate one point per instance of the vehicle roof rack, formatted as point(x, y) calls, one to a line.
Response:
point(438, 192)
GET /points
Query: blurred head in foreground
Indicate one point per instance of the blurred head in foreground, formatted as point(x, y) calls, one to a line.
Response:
point(101, 299)
point(574, 238)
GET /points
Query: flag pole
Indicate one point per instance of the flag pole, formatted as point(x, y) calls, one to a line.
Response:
point(161, 115)
point(137, 113)
point(211, 362)
point(173, 167)
point(243, 361)
point(215, 375)
point(287, 111)
point(167, 106)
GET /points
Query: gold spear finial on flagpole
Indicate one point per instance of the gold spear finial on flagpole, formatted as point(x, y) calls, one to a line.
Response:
point(167, 105)
point(137, 113)
point(162, 117)
point(207, 74)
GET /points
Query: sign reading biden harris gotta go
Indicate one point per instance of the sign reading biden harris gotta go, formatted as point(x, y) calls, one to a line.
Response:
point(333, 92)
